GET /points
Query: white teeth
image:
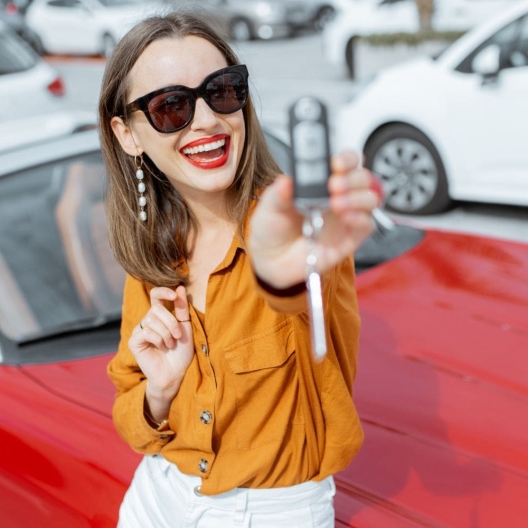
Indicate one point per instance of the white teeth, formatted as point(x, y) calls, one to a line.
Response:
point(204, 148)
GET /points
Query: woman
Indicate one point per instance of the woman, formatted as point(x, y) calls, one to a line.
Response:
point(216, 382)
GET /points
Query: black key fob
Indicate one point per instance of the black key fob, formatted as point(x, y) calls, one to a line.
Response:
point(308, 123)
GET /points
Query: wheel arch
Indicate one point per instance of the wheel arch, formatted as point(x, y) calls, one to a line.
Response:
point(247, 21)
point(350, 55)
point(441, 148)
point(324, 8)
point(106, 32)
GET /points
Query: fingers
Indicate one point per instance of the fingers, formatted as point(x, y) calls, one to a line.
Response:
point(353, 189)
point(160, 327)
point(344, 162)
point(181, 306)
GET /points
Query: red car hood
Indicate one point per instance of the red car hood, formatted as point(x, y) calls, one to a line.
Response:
point(442, 388)
point(82, 381)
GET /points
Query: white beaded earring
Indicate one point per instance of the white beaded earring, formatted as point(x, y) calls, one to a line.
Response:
point(141, 188)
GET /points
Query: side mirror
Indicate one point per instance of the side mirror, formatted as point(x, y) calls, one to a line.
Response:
point(487, 62)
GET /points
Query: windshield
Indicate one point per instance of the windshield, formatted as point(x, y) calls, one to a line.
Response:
point(15, 56)
point(56, 267)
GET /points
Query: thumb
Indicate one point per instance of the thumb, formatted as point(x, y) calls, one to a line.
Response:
point(279, 195)
point(181, 305)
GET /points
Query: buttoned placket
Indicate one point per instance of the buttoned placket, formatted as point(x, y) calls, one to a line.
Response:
point(205, 415)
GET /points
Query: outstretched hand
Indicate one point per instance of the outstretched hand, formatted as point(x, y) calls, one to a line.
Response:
point(277, 245)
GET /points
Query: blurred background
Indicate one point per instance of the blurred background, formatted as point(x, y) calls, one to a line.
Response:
point(431, 91)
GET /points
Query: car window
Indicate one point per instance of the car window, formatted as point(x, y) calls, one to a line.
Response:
point(113, 3)
point(15, 57)
point(511, 43)
point(519, 54)
point(64, 3)
point(56, 265)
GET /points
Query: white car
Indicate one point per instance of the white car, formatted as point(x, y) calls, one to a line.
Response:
point(28, 85)
point(361, 18)
point(454, 128)
point(84, 27)
point(38, 128)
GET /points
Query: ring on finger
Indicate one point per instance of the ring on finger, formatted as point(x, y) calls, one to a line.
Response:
point(183, 321)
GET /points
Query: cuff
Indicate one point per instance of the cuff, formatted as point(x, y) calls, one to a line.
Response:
point(290, 300)
point(140, 434)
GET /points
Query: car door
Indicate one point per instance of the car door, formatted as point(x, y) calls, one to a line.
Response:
point(68, 26)
point(488, 116)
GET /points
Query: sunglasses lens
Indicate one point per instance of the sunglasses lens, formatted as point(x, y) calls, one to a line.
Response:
point(227, 93)
point(170, 111)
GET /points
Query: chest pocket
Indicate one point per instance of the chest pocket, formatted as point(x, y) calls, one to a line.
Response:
point(266, 383)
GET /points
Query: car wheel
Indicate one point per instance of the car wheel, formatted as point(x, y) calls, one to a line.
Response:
point(350, 57)
point(241, 30)
point(108, 45)
point(410, 169)
point(326, 14)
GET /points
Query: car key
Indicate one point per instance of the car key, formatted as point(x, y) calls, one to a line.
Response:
point(308, 121)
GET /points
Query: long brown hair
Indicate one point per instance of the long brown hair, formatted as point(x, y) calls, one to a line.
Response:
point(151, 251)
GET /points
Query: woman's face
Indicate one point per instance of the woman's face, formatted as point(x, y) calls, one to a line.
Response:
point(187, 62)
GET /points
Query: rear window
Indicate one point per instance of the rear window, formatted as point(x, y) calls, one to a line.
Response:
point(15, 56)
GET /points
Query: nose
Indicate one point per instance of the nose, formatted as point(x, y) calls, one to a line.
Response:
point(204, 117)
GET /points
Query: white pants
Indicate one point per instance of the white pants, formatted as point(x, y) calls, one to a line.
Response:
point(160, 496)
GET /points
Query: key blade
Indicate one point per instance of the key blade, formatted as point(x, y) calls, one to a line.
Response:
point(316, 315)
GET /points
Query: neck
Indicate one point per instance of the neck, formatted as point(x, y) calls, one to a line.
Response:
point(211, 213)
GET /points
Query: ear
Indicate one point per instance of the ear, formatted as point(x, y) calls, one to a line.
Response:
point(123, 133)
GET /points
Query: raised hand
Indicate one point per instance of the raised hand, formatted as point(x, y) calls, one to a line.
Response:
point(277, 246)
point(163, 347)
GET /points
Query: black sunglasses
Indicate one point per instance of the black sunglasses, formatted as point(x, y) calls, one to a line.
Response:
point(172, 108)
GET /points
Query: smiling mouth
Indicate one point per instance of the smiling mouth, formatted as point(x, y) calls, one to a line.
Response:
point(207, 152)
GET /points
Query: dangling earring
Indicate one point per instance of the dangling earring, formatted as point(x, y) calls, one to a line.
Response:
point(141, 188)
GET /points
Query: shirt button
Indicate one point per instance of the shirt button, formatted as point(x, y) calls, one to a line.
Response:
point(197, 491)
point(206, 417)
point(204, 350)
point(203, 465)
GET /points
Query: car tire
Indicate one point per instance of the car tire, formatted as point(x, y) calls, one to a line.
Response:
point(108, 45)
point(325, 15)
point(410, 169)
point(350, 57)
point(241, 30)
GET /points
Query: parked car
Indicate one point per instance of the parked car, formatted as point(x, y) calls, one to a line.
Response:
point(28, 85)
point(244, 20)
point(12, 16)
point(362, 18)
point(84, 27)
point(441, 388)
point(39, 128)
point(321, 12)
point(448, 129)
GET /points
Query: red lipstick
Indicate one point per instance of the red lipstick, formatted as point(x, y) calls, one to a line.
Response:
point(205, 164)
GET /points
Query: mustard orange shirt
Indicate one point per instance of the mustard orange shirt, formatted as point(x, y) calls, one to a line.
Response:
point(254, 409)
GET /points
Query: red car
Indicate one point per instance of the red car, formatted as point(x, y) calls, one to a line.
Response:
point(442, 386)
